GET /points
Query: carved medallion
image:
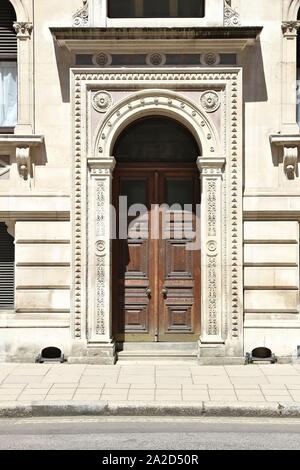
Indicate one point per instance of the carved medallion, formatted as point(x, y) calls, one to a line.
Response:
point(210, 59)
point(210, 101)
point(156, 59)
point(100, 248)
point(102, 59)
point(102, 101)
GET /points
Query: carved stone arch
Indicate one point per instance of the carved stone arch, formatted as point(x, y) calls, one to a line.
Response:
point(21, 10)
point(157, 102)
point(290, 10)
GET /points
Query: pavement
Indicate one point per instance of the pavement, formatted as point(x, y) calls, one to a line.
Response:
point(146, 389)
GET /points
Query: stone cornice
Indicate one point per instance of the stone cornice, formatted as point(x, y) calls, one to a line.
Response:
point(14, 140)
point(219, 37)
point(284, 140)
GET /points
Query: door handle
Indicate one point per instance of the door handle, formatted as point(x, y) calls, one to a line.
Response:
point(148, 292)
point(164, 292)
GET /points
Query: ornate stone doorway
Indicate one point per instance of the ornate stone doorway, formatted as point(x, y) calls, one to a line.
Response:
point(209, 105)
point(156, 254)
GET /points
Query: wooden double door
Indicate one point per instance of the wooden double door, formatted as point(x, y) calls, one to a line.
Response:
point(156, 253)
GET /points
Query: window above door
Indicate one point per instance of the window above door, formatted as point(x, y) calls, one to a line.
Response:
point(156, 8)
point(150, 13)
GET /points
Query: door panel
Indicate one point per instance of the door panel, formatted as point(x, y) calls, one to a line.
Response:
point(156, 288)
point(134, 318)
point(179, 311)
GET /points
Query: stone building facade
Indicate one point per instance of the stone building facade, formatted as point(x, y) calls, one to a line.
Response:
point(148, 99)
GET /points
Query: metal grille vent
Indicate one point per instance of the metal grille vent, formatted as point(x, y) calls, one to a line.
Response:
point(7, 269)
point(8, 38)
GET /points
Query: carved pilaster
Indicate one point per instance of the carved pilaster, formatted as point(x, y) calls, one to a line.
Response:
point(211, 170)
point(25, 78)
point(99, 250)
point(288, 82)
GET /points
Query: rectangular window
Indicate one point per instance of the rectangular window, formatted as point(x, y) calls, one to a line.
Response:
point(156, 8)
point(8, 94)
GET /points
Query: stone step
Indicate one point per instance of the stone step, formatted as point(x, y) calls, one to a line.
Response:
point(179, 356)
point(159, 347)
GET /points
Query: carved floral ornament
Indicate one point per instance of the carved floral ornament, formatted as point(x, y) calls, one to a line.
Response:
point(23, 29)
point(231, 17)
point(102, 101)
point(210, 101)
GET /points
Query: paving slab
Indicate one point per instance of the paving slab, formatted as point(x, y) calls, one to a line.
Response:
point(53, 390)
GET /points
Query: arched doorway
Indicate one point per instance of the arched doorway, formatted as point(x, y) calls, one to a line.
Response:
point(156, 254)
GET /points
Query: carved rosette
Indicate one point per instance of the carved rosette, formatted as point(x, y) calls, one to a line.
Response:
point(231, 17)
point(102, 101)
point(81, 17)
point(210, 101)
point(156, 59)
point(211, 59)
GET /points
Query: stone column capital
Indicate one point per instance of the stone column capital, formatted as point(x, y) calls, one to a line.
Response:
point(209, 165)
point(290, 28)
point(23, 29)
point(102, 166)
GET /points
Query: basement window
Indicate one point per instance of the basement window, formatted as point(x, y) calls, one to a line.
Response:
point(156, 8)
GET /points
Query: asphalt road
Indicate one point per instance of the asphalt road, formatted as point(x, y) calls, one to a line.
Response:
point(149, 434)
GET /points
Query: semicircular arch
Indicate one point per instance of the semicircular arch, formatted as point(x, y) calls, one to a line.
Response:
point(157, 103)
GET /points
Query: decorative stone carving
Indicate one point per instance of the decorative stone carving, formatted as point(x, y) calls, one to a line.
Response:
point(81, 17)
point(100, 248)
point(212, 297)
point(290, 162)
point(23, 29)
point(290, 28)
point(156, 59)
point(100, 323)
point(23, 161)
point(231, 17)
point(211, 208)
point(211, 167)
point(102, 101)
point(102, 59)
point(210, 59)
point(100, 203)
point(210, 101)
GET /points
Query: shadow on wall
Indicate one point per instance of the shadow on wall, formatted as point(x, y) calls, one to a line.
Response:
point(254, 82)
point(39, 156)
point(64, 63)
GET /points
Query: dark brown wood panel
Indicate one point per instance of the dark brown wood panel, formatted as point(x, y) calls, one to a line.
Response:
point(179, 267)
point(156, 281)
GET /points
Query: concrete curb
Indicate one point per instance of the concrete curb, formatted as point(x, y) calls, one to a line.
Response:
point(102, 408)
